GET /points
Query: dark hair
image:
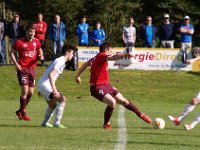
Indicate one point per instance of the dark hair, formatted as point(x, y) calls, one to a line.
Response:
point(68, 48)
point(104, 46)
point(30, 27)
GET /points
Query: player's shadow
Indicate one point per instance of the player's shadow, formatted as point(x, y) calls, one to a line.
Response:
point(194, 73)
point(17, 126)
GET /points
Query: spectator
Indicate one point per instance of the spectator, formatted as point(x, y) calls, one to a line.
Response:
point(57, 32)
point(98, 35)
point(83, 32)
point(16, 29)
point(3, 41)
point(2, 54)
point(186, 30)
point(129, 35)
point(41, 28)
point(148, 33)
point(167, 33)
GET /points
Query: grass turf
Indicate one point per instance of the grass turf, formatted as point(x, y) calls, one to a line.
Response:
point(156, 93)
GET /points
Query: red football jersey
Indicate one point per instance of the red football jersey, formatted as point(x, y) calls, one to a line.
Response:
point(27, 51)
point(99, 69)
point(41, 29)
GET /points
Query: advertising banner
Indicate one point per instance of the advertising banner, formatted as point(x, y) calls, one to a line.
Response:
point(145, 59)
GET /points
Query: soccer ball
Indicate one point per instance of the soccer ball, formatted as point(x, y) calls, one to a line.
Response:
point(158, 123)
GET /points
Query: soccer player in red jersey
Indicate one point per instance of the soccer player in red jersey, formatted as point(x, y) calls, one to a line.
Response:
point(100, 87)
point(29, 50)
point(40, 31)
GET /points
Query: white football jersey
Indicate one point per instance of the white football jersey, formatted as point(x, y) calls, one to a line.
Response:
point(58, 64)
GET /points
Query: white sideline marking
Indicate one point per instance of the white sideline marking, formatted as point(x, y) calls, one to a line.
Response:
point(122, 139)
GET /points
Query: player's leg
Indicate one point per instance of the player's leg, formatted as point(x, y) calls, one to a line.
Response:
point(189, 108)
point(111, 104)
point(61, 101)
point(130, 106)
point(49, 113)
point(22, 109)
point(194, 123)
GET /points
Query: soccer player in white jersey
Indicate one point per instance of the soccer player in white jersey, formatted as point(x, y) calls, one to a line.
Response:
point(189, 108)
point(47, 87)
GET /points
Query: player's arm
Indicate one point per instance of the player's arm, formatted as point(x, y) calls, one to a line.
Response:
point(13, 58)
point(81, 70)
point(40, 54)
point(190, 61)
point(120, 56)
point(52, 82)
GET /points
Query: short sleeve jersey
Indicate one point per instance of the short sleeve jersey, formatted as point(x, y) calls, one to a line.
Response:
point(27, 51)
point(130, 34)
point(99, 69)
point(186, 38)
point(58, 64)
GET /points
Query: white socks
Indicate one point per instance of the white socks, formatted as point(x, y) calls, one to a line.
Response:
point(47, 116)
point(59, 112)
point(189, 108)
point(196, 121)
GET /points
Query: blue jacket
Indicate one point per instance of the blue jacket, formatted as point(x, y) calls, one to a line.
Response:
point(83, 32)
point(143, 32)
point(53, 34)
point(98, 34)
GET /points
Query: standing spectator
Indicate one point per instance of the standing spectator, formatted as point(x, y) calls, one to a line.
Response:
point(186, 30)
point(98, 35)
point(167, 33)
point(129, 35)
point(100, 86)
point(148, 33)
point(82, 31)
point(47, 87)
point(57, 32)
point(3, 41)
point(2, 53)
point(16, 29)
point(41, 29)
point(29, 50)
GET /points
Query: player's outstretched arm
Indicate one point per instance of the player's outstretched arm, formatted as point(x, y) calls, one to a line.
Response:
point(80, 71)
point(120, 56)
point(190, 61)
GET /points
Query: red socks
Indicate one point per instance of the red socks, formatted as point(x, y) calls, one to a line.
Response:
point(107, 114)
point(133, 108)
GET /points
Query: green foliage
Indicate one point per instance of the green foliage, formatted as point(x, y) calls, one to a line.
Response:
point(113, 14)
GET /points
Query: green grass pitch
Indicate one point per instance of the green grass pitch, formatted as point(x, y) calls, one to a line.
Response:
point(156, 93)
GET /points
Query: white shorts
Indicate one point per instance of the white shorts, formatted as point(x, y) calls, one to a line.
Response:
point(45, 89)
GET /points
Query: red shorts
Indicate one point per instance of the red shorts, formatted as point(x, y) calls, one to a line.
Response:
point(100, 91)
point(26, 77)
